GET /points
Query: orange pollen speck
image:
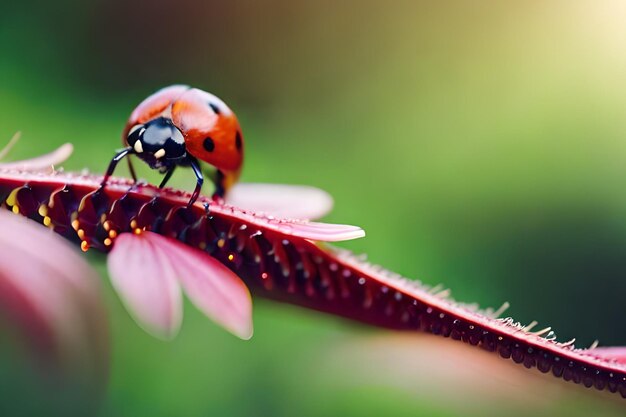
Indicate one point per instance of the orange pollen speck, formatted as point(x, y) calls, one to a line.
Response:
point(75, 224)
point(137, 231)
point(80, 233)
point(107, 242)
point(84, 246)
point(106, 225)
point(133, 224)
point(231, 257)
point(221, 243)
point(112, 234)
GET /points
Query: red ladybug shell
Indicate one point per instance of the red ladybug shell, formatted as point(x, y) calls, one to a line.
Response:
point(210, 128)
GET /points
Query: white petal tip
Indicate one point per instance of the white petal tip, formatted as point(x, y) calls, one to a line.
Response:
point(244, 334)
point(66, 150)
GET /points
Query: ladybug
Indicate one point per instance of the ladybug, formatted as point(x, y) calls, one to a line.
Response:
point(180, 126)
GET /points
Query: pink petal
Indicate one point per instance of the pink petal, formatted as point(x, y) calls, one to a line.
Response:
point(146, 282)
point(280, 200)
point(52, 294)
point(145, 270)
point(323, 232)
point(42, 162)
point(213, 288)
point(617, 353)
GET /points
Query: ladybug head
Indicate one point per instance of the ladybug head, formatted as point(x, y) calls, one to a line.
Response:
point(158, 142)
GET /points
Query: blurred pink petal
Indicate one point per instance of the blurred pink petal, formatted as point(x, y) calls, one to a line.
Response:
point(464, 381)
point(145, 279)
point(58, 156)
point(280, 200)
point(51, 296)
point(25, 317)
point(213, 288)
point(617, 353)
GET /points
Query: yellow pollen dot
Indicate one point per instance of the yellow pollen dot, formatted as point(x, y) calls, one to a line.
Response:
point(133, 224)
point(15, 209)
point(221, 243)
point(107, 242)
point(84, 246)
point(112, 234)
point(106, 225)
point(137, 231)
point(47, 221)
point(80, 233)
point(12, 198)
point(231, 257)
point(75, 224)
point(43, 210)
point(103, 217)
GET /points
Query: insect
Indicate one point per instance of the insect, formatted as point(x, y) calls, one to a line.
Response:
point(180, 126)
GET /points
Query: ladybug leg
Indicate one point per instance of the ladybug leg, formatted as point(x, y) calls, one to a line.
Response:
point(167, 177)
point(131, 169)
point(116, 159)
point(220, 188)
point(199, 181)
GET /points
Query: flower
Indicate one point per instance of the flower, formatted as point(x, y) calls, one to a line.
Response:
point(147, 271)
point(150, 271)
point(160, 247)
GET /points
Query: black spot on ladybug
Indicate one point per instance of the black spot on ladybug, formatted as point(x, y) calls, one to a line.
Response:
point(208, 145)
point(215, 108)
point(238, 141)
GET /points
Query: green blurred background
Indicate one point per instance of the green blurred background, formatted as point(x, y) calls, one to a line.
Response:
point(480, 145)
